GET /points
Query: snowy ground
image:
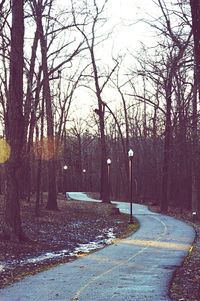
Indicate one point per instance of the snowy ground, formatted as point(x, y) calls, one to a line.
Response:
point(75, 230)
point(100, 242)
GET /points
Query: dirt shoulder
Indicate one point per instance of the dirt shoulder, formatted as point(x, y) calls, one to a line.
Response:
point(59, 237)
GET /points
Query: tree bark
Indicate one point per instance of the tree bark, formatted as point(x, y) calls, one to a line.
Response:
point(52, 193)
point(12, 227)
point(195, 10)
point(101, 113)
point(28, 119)
point(167, 148)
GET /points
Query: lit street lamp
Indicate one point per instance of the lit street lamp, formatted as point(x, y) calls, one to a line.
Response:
point(84, 179)
point(130, 155)
point(108, 165)
point(194, 216)
point(65, 167)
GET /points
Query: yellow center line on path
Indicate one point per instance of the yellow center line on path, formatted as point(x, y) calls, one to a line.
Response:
point(146, 244)
point(78, 293)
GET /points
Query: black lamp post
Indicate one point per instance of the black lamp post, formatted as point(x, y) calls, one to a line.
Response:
point(108, 165)
point(84, 179)
point(65, 167)
point(130, 155)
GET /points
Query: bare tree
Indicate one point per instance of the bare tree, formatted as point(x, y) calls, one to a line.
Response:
point(195, 11)
point(165, 67)
point(92, 17)
point(15, 124)
point(51, 69)
point(52, 195)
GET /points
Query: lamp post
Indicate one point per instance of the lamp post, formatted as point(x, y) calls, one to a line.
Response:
point(84, 179)
point(108, 165)
point(194, 216)
point(130, 155)
point(65, 167)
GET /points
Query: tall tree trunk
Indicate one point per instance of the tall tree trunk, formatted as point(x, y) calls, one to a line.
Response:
point(31, 135)
point(28, 119)
point(39, 165)
point(104, 175)
point(101, 113)
point(194, 147)
point(38, 182)
point(167, 148)
point(195, 10)
point(172, 67)
point(15, 125)
point(52, 194)
point(90, 37)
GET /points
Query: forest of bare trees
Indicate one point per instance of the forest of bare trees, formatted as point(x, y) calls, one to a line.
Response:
point(51, 52)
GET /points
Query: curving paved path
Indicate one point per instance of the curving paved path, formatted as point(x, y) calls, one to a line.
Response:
point(137, 268)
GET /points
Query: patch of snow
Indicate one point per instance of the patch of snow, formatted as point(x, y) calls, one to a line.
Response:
point(99, 236)
point(2, 266)
point(88, 247)
point(40, 258)
point(111, 236)
point(48, 255)
point(82, 248)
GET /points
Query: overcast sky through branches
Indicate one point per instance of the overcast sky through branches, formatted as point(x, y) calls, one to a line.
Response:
point(128, 31)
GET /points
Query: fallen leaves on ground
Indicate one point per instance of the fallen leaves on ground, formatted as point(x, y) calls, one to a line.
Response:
point(75, 223)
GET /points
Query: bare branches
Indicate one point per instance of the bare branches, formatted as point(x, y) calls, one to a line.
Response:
point(149, 101)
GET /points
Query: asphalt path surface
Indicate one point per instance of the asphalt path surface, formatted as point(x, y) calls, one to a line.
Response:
point(137, 268)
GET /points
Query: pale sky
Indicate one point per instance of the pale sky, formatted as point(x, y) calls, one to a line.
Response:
point(124, 20)
point(124, 17)
point(128, 14)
